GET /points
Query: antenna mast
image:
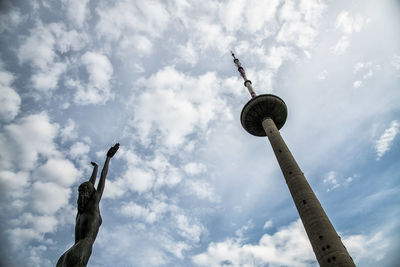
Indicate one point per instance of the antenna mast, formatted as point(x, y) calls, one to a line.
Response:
point(247, 82)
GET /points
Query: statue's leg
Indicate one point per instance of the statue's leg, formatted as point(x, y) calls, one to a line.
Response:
point(60, 262)
point(70, 258)
point(77, 256)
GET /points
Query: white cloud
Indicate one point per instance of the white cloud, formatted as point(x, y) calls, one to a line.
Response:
point(349, 23)
point(40, 223)
point(48, 78)
point(115, 189)
point(360, 246)
point(194, 168)
point(175, 247)
point(59, 171)
point(360, 65)
point(202, 22)
point(139, 245)
point(10, 19)
point(139, 180)
point(138, 212)
point(268, 224)
point(231, 14)
point(35, 256)
point(187, 53)
point(141, 43)
point(69, 131)
point(240, 233)
point(396, 62)
point(97, 90)
point(126, 18)
point(48, 198)
point(10, 100)
point(209, 34)
point(13, 184)
point(79, 150)
point(137, 67)
point(41, 49)
point(277, 55)
point(171, 178)
point(368, 74)
point(357, 84)
point(28, 138)
point(166, 173)
point(21, 236)
point(99, 68)
point(322, 75)
point(67, 40)
point(171, 111)
point(188, 229)
point(248, 16)
point(289, 246)
point(386, 139)
point(202, 189)
point(77, 11)
point(341, 46)
point(39, 185)
point(143, 175)
point(38, 47)
point(259, 15)
point(175, 124)
point(300, 23)
point(366, 69)
point(149, 239)
point(331, 181)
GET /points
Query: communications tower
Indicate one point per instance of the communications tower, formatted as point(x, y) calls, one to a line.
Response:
point(264, 115)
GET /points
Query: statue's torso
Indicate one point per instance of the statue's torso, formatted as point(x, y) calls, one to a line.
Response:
point(86, 228)
point(88, 222)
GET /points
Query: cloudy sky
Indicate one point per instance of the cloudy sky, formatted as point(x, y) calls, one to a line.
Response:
point(189, 187)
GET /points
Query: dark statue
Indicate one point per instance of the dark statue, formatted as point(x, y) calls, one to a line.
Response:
point(88, 219)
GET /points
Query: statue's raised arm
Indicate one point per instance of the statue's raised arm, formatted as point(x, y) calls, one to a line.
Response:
point(100, 188)
point(111, 152)
point(94, 173)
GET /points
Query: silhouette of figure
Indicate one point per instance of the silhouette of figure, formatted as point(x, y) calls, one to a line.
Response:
point(88, 219)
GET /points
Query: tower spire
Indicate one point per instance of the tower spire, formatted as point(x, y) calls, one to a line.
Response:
point(247, 82)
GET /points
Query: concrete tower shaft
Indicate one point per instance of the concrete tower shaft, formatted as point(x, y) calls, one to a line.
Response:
point(328, 248)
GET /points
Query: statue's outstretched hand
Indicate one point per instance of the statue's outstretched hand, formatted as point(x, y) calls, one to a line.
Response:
point(111, 152)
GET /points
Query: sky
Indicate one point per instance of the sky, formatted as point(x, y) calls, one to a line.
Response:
point(189, 186)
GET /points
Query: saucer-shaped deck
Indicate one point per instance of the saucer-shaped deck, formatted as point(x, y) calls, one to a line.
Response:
point(259, 108)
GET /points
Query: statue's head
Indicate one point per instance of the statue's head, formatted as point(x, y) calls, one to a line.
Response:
point(86, 191)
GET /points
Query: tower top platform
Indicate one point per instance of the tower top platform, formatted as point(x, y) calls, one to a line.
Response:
point(261, 107)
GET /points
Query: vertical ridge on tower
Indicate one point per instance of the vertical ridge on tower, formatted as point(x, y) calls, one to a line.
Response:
point(264, 115)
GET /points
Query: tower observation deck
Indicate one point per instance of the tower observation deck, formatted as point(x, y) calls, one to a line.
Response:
point(264, 115)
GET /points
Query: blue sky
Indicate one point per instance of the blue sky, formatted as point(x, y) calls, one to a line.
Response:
point(189, 186)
